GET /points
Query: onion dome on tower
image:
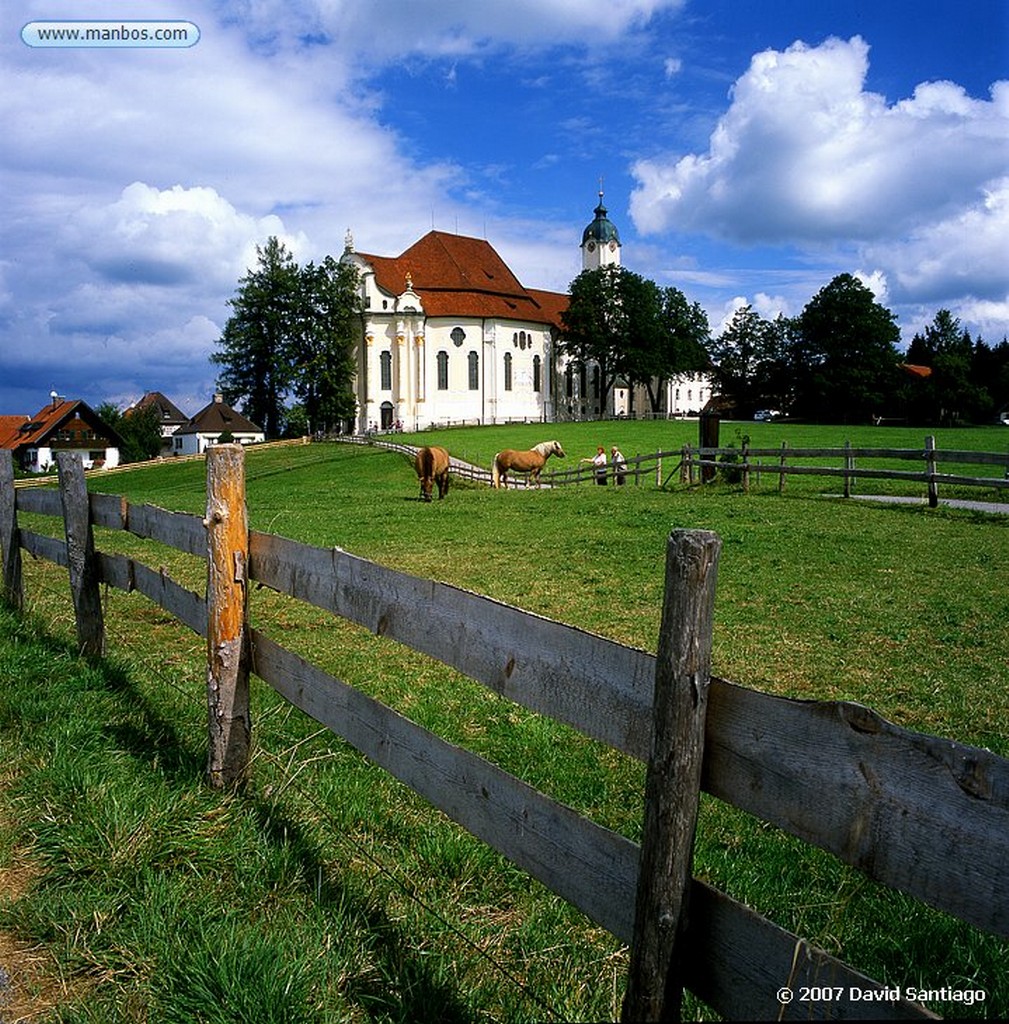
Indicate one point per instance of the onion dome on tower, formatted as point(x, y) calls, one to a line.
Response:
point(600, 241)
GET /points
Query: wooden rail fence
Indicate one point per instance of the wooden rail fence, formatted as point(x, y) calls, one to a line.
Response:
point(696, 464)
point(924, 815)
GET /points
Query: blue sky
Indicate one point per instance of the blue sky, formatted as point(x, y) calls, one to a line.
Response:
point(749, 152)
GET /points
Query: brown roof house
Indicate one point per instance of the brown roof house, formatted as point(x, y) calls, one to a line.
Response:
point(215, 424)
point(169, 415)
point(61, 425)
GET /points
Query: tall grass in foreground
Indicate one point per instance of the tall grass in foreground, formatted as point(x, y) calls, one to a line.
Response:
point(327, 892)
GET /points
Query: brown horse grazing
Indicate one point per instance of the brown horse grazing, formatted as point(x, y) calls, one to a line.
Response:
point(432, 467)
point(531, 462)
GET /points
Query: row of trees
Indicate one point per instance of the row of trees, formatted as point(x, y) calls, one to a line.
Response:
point(290, 334)
point(838, 362)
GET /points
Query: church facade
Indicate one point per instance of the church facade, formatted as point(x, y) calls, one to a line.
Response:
point(450, 336)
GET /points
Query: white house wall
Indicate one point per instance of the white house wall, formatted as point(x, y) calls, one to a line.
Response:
point(44, 459)
point(412, 343)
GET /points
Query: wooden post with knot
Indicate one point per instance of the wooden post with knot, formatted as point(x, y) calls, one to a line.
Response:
point(229, 722)
point(672, 789)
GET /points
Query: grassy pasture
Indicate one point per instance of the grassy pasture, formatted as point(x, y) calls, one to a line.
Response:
point(158, 898)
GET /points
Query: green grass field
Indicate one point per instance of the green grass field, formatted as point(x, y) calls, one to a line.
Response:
point(327, 892)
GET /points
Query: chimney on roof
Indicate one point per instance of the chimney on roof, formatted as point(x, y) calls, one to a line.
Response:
point(55, 398)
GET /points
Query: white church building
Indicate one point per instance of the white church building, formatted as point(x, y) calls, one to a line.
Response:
point(450, 336)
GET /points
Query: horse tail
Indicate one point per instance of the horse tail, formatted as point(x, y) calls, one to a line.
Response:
point(495, 473)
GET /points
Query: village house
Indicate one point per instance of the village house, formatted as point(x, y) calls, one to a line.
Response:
point(215, 423)
point(170, 417)
point(60, 426)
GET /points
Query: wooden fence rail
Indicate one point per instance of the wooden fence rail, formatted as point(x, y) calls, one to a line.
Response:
point(921, 814)
point(744, 462)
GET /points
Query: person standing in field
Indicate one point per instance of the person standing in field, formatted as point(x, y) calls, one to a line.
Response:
point(619, 465)
point(599, 462)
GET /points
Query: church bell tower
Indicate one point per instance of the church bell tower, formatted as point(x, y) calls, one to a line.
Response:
point(600, 241)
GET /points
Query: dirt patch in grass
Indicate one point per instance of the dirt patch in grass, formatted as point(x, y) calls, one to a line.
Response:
point(31, 984)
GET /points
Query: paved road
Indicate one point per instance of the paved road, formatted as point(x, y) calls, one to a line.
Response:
point(977, 506)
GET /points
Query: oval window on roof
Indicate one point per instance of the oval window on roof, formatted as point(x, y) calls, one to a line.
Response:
point(458, 336)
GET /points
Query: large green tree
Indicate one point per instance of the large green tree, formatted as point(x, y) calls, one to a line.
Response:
point(290, 334)
point(597, 320)
point(751, 362)
point(844, 355)
point(140, 430)
point(670, 340)
point(322, 348)
point(634, 330)
point(254, 348)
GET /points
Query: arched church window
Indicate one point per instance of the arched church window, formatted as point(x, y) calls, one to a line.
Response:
point(385, 368)
point(458, 336)
point(442, 358)
point(474, 371)
point(508, 371)
point(537, 374)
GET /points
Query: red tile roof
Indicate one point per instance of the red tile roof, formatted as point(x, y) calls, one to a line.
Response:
point(10, 427)
point(455, 275)
point(23, 431)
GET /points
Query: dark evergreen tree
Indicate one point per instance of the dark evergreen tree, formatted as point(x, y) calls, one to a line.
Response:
point(254, 349)
point(322, 351)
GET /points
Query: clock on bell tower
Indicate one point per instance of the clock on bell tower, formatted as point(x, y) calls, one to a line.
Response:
point(600, 241)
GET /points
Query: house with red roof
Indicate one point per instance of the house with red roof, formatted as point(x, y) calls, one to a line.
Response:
point(450, 335)
point(61, 425)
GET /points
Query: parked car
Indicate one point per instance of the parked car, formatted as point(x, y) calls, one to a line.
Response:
point(766, 415)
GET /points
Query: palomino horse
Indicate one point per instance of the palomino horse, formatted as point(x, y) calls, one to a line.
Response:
point(531, 462)
point(432, 467)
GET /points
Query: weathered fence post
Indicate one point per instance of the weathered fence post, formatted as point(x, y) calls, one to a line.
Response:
point(781, 474)
point(672, 789)
point(229, 723)
point(746, 467)
point(707, 427)
point(930, 470)
point(10, 549)
point(82, 562)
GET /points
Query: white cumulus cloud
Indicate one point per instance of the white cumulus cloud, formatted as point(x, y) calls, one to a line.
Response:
point(805, 153)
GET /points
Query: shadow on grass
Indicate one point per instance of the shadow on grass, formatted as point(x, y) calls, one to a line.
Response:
point(45, 682)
